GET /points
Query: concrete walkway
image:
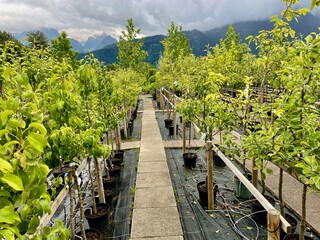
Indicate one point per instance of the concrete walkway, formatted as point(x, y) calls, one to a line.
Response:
point(155, 214)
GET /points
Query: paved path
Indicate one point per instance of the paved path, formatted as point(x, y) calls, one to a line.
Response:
point(155, 214)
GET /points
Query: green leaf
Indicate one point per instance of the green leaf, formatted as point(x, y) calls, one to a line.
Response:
point(4, 116)
point(37, 141)
point(5, 166)
point(33, 225)
point(13, 181)
point(17, 123)
point(4, 193)
point(301, 165)
point(317, 182)
point(8, 215)
point(7, 234)
point(269, 171)
point(6, 73)
point(45, 206)
point(38, 126)
point(3, 132)
point(311, 160)
point(24, 212)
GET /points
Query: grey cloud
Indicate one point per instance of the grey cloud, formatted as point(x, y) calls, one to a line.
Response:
point(81, 18)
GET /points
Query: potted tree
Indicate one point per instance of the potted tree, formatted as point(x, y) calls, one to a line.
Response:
point(187, 109)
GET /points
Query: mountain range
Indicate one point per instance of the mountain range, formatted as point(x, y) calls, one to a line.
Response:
point(105, 49)
point(200, 40)
point(92, 43)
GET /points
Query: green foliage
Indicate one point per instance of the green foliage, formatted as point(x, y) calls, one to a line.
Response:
point(23, 142)
point(130, 53)
point(5, 37)
point(50, 113)
point(37, 40)
point(176, 46)
point(61, 48)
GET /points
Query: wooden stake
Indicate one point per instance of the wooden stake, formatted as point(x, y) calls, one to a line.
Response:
point(210, 175)
point(174, 117)
point(254, 174)
point(168, 107)
point(161, 101)
point(125, 128)
point(99, 181)
point(184, 140)
point(273, 224)
point(118, 138)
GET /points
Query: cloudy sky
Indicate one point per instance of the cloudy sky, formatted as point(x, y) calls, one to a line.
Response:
point(82, 18)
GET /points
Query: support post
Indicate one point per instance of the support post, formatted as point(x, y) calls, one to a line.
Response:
point(168, 106)
point(174, 117)
point(210, 175)
point(254, 174)
point(125, 132)
point(118, 138)
point(99, 181)
point(184, 140)
point(194, 133)
point(161, 100)
point(274, 224)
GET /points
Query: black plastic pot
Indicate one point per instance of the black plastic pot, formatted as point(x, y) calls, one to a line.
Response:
point(292, 221)
point(135, 113)
point(116, 170)
point(296, 237)
point(203, 193)
point(190, 160)
point(168, 122)
point(110, 183)
point(217, 160)
point(241, 190)
point(98, 221)
point(117, 161)
point(130, 128)
point(61, 171)
point(108, 194)
point(91, 234)
point(119, 154)
point(259, 214)
point(171, 129)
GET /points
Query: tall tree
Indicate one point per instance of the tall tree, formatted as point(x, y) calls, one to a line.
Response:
point(176, 47)
point(62, 48)
point(37, 40)
point(130, 53)
point(176, 43)
point(5, 36)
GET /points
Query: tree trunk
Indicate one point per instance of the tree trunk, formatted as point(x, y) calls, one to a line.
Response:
point(184, 135)
point(72, 225)
point(281, 192)
point(125, 128)
point(99, 180)
point(174, 117)
point(83, 234)
point(118, 138)
point(304, 212)
point(210, 175)
point(94, 206)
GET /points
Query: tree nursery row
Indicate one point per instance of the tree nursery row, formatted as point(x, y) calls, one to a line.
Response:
point(56, 111)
